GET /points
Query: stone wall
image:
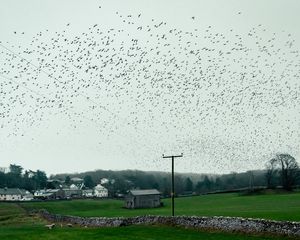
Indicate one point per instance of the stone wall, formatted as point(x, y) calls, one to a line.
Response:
point(228, 224)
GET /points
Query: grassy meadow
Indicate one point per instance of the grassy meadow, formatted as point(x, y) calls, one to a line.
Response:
point(285, 206)
point(15, 223)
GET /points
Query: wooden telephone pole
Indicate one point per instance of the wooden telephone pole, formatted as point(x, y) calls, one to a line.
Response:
point(173, 187)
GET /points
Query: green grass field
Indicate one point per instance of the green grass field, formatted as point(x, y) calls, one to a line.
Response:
point(269, 206)
point(16, 224)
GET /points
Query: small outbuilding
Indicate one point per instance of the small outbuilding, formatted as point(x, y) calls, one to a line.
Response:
point(148, 198)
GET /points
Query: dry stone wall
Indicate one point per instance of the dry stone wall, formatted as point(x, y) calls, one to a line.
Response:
point(228, 224)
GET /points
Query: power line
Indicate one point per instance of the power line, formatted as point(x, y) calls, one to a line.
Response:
point(173, 185)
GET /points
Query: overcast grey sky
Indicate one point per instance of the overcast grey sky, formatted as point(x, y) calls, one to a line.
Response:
point(131, 80)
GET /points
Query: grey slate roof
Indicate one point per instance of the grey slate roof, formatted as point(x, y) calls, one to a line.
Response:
point(12, 191)
point(144, 192)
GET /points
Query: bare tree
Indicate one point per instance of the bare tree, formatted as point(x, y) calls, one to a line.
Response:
point(289, 170)
point(271, 172)
point(286, 166)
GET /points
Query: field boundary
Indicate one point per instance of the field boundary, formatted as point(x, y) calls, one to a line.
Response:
point(227, 224)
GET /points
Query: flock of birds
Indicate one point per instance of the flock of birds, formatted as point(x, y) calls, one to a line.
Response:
point(223, 99)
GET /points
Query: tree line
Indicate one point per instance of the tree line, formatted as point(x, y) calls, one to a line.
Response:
point(28, 179)
point(281, 171)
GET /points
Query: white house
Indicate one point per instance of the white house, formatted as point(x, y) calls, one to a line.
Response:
point(15, 194)
point(100, 191)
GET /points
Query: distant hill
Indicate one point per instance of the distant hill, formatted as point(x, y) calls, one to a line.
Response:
point(122, 181)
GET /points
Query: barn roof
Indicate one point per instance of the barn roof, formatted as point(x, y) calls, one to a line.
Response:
point(144, 192)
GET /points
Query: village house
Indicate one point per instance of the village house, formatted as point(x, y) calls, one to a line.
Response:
point(148, 198)
point(74, 191)
point(15, 194)
point(100, 191)
point(56, 193)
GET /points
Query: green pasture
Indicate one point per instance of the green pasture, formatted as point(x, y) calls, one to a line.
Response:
point(17, 225)
point(285, 206)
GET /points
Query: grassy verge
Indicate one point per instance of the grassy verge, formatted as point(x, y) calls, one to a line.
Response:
point(132, 232)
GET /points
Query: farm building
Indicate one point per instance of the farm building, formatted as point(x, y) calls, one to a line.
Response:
point(148, 198)
point(73, 193)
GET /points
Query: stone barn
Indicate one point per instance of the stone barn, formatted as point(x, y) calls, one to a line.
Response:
point(148, 198)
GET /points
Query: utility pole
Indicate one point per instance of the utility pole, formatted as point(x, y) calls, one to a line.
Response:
point(173, 187)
